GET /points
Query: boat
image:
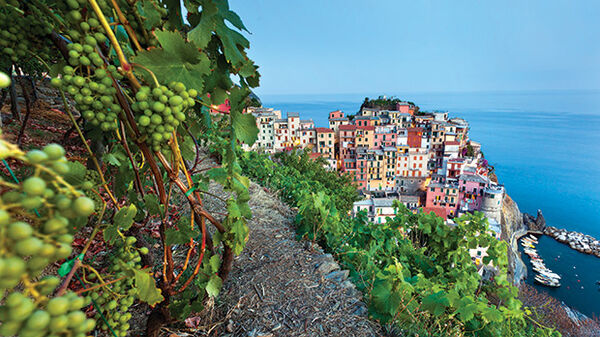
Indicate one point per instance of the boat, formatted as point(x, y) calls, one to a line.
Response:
point(548, 283)
point(532, 238)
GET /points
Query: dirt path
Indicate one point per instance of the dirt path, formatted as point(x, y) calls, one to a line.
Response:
point(281, 287)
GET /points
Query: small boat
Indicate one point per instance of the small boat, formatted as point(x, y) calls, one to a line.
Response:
point(532, 238)
point(549, 273)
point(547, 283)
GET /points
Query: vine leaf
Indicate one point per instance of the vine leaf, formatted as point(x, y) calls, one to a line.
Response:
point(177, 60)
point(122, 221)
point(146, 288)
point(152, 205)
point(151, 15)
point(436, 303)
point(214, 285)
point(181, 235)
point(76, 174)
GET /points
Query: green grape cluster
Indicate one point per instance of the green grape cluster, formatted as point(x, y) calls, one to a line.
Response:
point(94, 95)
point(160, 110)
point(23, 30)
point(60, 316)
point(115, 309)
point(35, 218)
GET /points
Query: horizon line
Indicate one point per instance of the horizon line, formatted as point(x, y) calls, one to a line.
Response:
point(430, 92)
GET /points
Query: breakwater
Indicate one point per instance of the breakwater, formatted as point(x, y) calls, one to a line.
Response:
point(580, 242)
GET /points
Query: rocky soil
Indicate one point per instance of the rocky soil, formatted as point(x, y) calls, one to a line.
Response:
point(280, 286)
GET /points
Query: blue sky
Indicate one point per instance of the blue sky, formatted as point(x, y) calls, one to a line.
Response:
point(350, 46)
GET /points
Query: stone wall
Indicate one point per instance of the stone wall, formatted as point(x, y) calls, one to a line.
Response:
point(512, 228)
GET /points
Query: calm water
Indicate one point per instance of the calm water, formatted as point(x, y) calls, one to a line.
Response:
point(545, 147)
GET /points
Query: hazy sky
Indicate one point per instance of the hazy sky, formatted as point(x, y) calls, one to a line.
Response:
point(351, 46)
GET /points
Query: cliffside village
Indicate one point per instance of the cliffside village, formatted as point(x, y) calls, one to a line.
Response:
point(422, 159)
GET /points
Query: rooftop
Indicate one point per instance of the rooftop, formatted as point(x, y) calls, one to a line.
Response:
point(473, 177)
point(323, 130)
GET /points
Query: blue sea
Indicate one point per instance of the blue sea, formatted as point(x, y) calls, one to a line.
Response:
point(545, 147)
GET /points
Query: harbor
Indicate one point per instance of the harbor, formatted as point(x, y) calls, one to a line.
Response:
point(544, 275)
point(579, 274)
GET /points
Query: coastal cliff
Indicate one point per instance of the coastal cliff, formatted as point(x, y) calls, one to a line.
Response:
point(512, 228)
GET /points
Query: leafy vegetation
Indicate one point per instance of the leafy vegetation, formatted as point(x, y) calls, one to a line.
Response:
point(416, 270)
point(384, 103)
point(147, 83)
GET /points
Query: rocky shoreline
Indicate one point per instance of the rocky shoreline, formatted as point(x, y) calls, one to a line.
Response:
point(580, 242)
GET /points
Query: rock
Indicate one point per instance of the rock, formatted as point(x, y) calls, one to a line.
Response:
point(360, 310)
point(338, 276)
point(327, 265)
point(540, 222)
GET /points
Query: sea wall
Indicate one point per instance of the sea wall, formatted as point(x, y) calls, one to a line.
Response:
point(512, 229)
point(578, 241)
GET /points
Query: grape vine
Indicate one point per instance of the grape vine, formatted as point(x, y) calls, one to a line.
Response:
point(147, 84)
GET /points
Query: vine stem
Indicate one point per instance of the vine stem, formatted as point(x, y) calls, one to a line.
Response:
point(100, 285)
point(128, 28)
point(149, 71)
point(115, 43)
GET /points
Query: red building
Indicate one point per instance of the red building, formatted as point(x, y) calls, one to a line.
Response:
point(414, 137)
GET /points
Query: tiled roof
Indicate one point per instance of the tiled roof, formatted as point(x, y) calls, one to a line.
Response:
point(324, 130)
point(472, 177)
point(348, 127)
point(439, 211)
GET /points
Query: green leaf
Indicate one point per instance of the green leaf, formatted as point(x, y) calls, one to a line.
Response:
point(177, 60)
point(218, 174)
point(213, 287)
point(152, 205)
point(174, 10)
point(467, 312)
point(76, 174)
point(233, 44)
point(202, 33)
point(124, 217)
point(436, 303)
point(151, 16)
point(492, 315)
point(181, 235)
point(215, 263)
point(244, 126)
point(146, 288)
point(122, 221)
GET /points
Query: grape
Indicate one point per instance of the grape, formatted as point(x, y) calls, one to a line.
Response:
point(4, 80)
point(19, 230)
point(39, 320)
point(4, 218)
point(37, 156)
point(83, 206)
point(58, 306)
point(34, 186)
point(54, 151)
point(29, 246)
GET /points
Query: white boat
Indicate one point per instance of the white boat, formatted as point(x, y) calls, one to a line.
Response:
point(550, 274)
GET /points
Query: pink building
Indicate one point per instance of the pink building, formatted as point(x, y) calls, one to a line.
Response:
point(443, 195)
point(336, 114)
point(384, 136)
point(404, 108)
point(471, 188)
